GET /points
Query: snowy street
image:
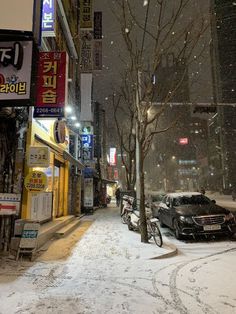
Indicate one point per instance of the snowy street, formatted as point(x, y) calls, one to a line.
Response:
point(109, 271)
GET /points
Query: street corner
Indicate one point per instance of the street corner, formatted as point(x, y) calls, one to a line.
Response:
point(166, 251)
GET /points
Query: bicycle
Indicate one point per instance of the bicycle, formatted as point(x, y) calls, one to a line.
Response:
point(154, 231)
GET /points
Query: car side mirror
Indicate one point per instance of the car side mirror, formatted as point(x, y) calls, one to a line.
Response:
point(213, 201)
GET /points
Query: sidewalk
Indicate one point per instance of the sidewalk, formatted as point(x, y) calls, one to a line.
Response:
point(127, 242)
point(102, 267)
point(105, 269)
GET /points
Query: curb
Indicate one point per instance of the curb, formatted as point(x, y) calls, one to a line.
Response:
point(173, 252)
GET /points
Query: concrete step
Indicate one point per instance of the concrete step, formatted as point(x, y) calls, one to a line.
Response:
point(68, 228)
point(48, 229)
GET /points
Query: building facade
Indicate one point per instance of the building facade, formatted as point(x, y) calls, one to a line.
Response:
point(39, 174)
point(222, 124)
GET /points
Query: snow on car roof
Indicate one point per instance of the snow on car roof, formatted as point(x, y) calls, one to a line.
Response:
point(180, 194)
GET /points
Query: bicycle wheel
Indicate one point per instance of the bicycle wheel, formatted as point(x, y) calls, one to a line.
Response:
point(156, 234)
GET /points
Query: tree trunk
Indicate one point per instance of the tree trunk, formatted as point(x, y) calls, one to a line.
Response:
point(143, 223)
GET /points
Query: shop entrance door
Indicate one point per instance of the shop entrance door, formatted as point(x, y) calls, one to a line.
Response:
point(58, 189)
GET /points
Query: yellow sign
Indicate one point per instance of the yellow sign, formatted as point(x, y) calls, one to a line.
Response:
point(86, 14)
point(36, 181)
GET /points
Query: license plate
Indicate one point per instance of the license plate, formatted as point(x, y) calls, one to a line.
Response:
point(211, 227)
point(153, 219)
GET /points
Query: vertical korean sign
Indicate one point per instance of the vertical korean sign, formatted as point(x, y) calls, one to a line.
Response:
point(86, 14)
point(113, 157)
point(49, 18)
point(51, 86)
point(97, 44)
point(86, 52)
point(87, 146)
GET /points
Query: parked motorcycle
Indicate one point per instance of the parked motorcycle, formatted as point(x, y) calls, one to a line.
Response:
point(133, 221)
point(127, 208)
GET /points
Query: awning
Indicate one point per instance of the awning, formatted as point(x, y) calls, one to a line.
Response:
point(73, 160)
point(66, 155)
point(52, 146)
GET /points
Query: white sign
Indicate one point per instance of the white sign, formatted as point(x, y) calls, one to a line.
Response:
point(29, 235)
point(9, 204)
point(112, 158)
point(41, 206)
point(15, 70)
point(39, 157)
point(88, 192)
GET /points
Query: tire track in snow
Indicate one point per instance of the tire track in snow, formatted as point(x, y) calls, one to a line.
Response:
point(177, 302)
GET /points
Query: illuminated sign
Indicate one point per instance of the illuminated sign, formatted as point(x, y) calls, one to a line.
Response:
point(112, 157)
point(15, 70)
point(51, 87)
point(87, 146)
point(48, 18)
point(187, 162)
point(183, 141)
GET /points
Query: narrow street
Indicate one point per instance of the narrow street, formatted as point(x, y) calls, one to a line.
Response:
point(108, 270)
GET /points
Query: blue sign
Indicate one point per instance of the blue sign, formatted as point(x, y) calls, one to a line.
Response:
point(48, 17)
point(54, 112)
point(87, 146)
point(87, 141)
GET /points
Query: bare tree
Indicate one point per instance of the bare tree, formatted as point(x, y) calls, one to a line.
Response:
point(124, 117)
point(160, 28)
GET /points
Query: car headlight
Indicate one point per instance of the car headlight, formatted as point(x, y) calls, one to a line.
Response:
point(228, 217)
point(186, 219)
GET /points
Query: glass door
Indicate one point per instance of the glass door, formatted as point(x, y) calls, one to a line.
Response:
point(56, 191)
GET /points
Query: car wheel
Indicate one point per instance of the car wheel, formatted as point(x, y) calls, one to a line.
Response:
point(176, 230)
point(161, 224)
point(232, 235)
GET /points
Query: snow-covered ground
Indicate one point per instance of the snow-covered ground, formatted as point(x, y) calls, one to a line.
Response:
point(109, 271)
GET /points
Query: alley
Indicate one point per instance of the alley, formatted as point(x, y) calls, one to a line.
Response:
point(109, 271)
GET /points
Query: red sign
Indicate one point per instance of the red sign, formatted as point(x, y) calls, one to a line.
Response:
point(51, 86)
point(183, 141)
point(116, 174)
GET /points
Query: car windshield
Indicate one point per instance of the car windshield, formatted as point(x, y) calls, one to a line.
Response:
point(157, 198)
point(191, 200)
